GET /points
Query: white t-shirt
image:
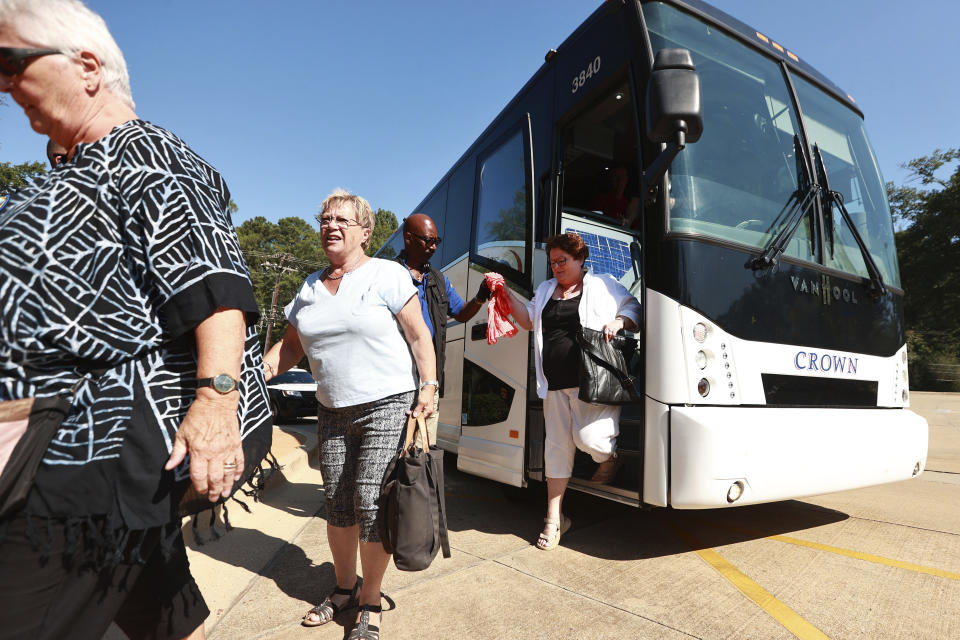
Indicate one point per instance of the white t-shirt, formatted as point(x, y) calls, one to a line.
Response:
point(353, 341)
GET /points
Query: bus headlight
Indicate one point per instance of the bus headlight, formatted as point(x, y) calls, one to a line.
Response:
point(699, 332)
point(701, 359)
point(703, 387)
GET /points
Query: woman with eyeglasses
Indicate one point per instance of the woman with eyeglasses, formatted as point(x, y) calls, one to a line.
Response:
point(123, 291)
point(357, 321)
point(560, 306)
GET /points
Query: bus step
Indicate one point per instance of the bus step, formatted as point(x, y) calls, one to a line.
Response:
point(629, 438)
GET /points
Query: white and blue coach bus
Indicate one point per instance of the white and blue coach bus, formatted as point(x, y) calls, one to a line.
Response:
point(773, 359)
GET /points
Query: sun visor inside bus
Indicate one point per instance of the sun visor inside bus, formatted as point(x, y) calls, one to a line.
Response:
point(673, 97)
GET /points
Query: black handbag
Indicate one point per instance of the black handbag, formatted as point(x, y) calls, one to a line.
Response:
point(26, 428)
point(412, 517)
point(603, 368)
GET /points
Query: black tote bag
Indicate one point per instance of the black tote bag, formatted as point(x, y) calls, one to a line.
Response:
point(26, 428)
point(603, 368)
point(412, 517)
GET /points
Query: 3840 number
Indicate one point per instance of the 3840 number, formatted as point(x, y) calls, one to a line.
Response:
point(585, 74)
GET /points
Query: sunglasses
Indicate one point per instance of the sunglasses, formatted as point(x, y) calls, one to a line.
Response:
point(14, 61)
point(427, 241)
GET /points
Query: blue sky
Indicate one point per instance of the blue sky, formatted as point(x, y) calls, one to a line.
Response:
point(290, 99)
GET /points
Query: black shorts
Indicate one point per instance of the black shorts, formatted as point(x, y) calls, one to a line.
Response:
point(56, 599)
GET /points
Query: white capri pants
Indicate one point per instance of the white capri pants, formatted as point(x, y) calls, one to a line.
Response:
point(573, 424)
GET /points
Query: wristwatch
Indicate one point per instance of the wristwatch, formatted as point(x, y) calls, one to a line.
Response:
point(435, 383)
point(222, 383)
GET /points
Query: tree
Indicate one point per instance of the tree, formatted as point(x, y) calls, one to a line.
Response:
point(386, 224)
point(289, 249)
point(281, 255)
point(17, 176)
point(928, 248)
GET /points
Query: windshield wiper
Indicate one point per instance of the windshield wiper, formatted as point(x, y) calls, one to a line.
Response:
point(835, 198)
point(796, 207)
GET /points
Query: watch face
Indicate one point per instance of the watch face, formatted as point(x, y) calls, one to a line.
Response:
point(224, 383)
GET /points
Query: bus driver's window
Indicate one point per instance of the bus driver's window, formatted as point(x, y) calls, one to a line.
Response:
point(600, 157)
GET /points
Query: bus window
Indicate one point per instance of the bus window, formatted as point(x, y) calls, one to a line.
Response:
point(436, 207)
point(503, 206)
point(600, 156)
point(735, 180)
point(392, 247)
point(851, 170)
point(486, 398)
point(456, 233)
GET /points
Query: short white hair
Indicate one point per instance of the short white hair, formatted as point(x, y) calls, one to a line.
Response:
point(70, 26)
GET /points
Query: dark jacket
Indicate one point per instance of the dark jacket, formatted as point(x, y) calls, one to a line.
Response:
point(437, 308)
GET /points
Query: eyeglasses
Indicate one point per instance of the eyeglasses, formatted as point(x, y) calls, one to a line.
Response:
point(14, 61)
point(558, 263)
point(331, 221)
point(428, 241)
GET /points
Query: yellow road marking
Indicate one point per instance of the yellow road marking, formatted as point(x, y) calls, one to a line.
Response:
point(780, 612)
point(784, 615)
point(859, 555)
point(869, 557)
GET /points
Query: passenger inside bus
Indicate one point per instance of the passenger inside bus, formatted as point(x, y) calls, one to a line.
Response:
point(617, 199)
point(600, 158)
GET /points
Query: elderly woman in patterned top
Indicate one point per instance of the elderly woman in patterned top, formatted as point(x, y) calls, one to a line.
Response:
point(121, 279)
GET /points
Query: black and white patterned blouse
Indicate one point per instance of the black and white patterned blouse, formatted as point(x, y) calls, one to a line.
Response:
point(106, 267)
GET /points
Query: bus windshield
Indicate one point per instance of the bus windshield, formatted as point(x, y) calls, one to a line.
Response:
point(851, 170)
point(734, 182)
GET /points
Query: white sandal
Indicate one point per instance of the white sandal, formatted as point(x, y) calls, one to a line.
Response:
point(546, 542)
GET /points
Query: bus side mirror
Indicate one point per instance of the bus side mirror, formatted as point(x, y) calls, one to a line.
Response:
point(673, 98)
point(674, 115)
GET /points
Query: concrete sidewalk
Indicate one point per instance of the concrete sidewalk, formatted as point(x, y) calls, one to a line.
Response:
point(228, 566)
point(620, 572)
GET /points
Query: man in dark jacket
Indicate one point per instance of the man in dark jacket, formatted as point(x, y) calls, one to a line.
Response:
point(438, 299)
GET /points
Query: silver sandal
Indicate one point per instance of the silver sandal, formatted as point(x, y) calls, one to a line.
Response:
point(364, 630)
point(328, 610)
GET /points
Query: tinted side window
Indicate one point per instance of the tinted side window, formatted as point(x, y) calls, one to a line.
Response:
point(456, 232)
point(486, 398)
point(436, 208)
point(503, 206)
point(392, 247)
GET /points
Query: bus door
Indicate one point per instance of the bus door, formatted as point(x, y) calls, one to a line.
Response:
point(599, 169)
point(494, 399)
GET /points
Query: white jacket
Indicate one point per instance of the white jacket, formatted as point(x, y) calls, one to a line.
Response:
point(603, 299)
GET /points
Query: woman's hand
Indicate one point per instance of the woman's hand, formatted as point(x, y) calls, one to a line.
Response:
point(518, 309)
point(611, 329)
point(424, 402)
point(210, 433)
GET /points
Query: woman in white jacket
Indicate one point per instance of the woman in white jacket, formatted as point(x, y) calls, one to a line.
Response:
point(560, 306)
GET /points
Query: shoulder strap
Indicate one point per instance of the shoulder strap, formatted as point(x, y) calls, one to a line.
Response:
point(590, 349)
